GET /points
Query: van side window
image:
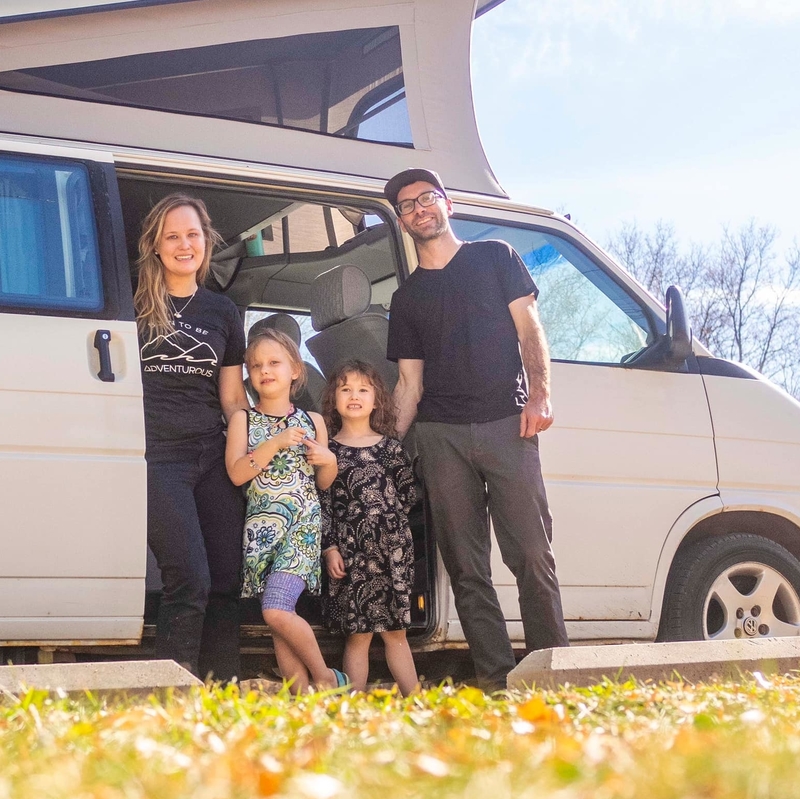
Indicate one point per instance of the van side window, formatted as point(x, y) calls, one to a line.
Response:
point(587, 316)
point(345, 83)
point(49, 257)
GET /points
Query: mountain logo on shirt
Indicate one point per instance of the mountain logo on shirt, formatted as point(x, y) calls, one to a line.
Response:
point(178, 346)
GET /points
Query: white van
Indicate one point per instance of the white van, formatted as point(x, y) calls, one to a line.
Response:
point(674, 477)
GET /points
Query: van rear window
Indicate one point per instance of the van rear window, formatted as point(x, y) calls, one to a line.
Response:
point(343, 83)
point(48, 243)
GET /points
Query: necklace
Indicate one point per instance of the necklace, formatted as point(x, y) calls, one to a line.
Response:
point(175, 312)
point(282, 420)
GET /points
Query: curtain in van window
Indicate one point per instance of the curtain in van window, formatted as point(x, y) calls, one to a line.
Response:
point(19, 247)
point(49, 256)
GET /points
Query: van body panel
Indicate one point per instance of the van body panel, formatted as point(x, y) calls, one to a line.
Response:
point(690, 518)
point(76, 336)
point(585, 602)
point(55, 8)
point(629, 451)
point(757, 429)
point(71, 631)
point(71, 452)
point(140, 128)
point(22, 144)
point(779, 503)
point(72, 465)
point(588, 631)
point(68, 598)
point(611, 631)
point(74, 529)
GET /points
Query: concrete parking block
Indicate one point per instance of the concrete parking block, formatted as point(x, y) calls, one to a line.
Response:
point(134, 676)
point(694, 661)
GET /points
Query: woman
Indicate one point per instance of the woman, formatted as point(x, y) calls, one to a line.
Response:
point(192, 350)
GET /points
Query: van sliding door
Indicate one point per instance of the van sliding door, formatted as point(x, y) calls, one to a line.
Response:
point(72, 471)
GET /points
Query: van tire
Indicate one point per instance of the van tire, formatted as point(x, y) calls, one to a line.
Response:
point(737, 586)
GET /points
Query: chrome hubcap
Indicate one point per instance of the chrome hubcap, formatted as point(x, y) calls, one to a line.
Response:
point(751, 600)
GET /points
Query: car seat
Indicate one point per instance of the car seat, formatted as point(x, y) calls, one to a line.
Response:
point(340, 302)
point(310, 398)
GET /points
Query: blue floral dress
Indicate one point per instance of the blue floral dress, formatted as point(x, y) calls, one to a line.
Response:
point(282, 525)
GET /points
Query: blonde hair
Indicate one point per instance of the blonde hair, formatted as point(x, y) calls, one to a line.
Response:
point(270, 334)
point(153, 311)
point(383, 418)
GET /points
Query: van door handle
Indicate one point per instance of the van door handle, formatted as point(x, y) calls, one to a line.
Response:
point(102, 341)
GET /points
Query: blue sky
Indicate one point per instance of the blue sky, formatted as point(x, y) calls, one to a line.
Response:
point(621, 110)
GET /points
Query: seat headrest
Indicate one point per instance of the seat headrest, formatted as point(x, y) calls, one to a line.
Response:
point(278, 321)
point(338, 294)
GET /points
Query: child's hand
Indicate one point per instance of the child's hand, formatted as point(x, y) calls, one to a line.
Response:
point(334, 563)
point(317, 454)
point(290, 437)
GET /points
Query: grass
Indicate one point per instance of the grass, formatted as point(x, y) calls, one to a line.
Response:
point(607, 741)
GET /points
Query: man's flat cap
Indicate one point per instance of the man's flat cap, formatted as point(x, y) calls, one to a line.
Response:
point(406, 178)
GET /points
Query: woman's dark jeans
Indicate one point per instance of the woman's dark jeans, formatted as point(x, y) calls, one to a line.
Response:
point(195, 519)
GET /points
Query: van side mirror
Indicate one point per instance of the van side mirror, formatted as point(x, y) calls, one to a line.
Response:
point(671, 350)
point(679, 333)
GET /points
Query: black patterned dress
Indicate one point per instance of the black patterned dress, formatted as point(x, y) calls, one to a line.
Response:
point(365, 514)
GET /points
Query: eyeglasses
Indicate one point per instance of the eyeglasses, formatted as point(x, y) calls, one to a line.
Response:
point(426, 199)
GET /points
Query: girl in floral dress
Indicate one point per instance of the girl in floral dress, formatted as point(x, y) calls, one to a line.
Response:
point(367, 544)
point(282, 452)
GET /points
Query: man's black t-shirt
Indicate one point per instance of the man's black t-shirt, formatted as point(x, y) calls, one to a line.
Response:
point(457, 320)
point(180, 374)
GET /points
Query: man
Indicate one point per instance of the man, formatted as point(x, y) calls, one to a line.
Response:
point(461, 328)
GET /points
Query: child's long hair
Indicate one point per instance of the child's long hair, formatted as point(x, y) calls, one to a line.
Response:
point(153, 312)
point(271, 334)
point(383, 418)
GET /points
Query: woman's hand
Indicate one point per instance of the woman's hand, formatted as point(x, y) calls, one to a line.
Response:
point(334, 563)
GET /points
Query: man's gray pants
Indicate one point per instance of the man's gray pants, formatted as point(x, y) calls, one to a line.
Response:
point(472, 472)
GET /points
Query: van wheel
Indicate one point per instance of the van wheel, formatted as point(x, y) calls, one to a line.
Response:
point(735, 586)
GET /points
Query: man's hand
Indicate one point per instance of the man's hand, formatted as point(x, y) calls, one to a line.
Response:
point(407, 393)
point(536, 417)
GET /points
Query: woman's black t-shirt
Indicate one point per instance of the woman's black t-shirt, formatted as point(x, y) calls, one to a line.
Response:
point(457, 320)
point(180, 374)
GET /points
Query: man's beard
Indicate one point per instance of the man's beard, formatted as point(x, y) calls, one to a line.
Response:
point(429, 233)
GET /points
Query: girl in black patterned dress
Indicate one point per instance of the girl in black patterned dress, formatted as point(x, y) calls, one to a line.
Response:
point(366, 541)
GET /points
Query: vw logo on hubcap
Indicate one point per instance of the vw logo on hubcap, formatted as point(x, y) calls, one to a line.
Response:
point(749, 626)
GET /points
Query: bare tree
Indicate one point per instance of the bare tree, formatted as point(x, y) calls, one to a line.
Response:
point(655, 260)
point(744, 302)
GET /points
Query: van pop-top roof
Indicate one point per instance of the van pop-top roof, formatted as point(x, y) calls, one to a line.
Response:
point(365, 87)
